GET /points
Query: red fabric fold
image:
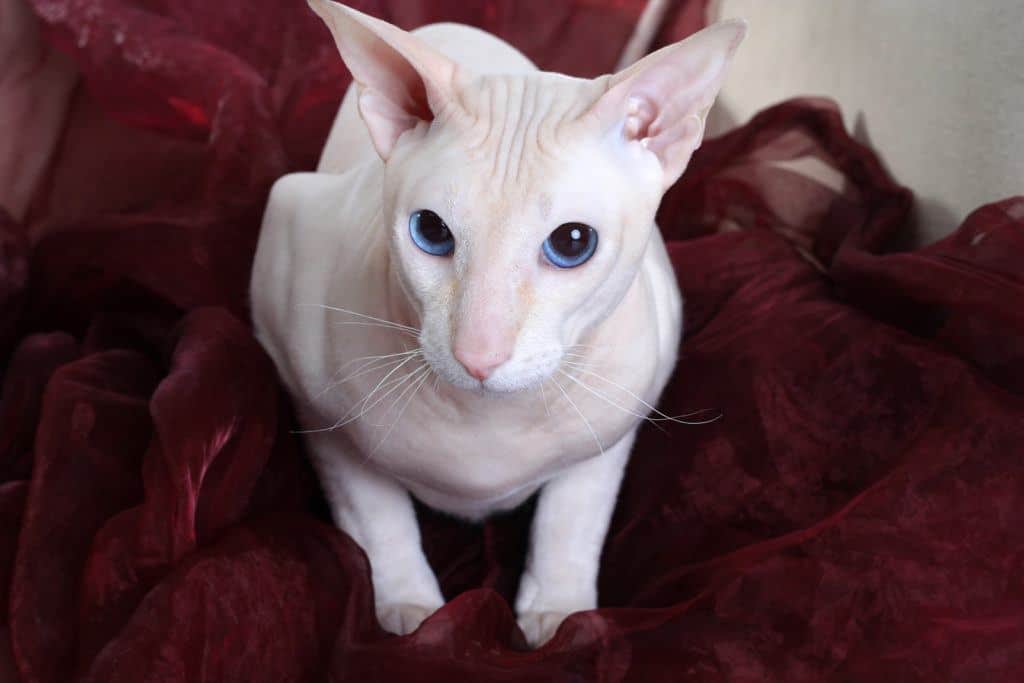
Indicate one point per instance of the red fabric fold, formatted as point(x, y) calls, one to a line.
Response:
point(855, 515)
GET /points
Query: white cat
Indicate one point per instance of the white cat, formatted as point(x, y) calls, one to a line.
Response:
point(473, 302)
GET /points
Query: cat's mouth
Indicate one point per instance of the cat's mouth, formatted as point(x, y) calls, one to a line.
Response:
point(510, 379)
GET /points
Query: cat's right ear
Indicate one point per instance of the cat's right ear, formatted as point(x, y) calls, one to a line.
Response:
point(401, 80)
point(661, 101)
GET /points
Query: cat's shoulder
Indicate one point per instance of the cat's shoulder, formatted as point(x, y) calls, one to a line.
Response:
point(300, 203)
point(309, 217)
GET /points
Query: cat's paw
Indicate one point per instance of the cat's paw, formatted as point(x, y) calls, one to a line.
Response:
point(405, 593)
point(542, 605)
point(538, 627)
point(403, 617)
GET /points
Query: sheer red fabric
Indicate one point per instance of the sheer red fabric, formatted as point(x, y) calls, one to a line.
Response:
point(857, 514)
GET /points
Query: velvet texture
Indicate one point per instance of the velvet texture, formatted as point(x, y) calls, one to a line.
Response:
point(856, 515)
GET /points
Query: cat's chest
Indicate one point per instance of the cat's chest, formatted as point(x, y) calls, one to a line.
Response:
point(471, 462)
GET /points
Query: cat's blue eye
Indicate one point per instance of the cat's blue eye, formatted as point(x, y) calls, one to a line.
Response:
point(570, 245)
point(430, 233)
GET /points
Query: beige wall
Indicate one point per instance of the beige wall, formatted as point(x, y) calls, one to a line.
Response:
point(936, 86)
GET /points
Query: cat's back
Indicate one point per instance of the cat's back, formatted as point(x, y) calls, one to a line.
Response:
point(303, 242)
point(349, 143)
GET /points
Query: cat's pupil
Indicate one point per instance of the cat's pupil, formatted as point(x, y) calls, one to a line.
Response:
point(568, 239)
point(433, 228)
point(429, 233)
point(570, 245)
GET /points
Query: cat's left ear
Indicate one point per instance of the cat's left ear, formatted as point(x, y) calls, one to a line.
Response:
point(402, 81)
point(661, 101)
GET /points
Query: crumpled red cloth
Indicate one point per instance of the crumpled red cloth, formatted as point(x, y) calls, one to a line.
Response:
point(857, 514)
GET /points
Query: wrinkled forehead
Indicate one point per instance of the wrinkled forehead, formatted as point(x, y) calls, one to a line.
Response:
point(517, 149)
point(546, 192)
point(501, 111)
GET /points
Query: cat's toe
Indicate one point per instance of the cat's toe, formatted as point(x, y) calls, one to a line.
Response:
point(403, 618)
point(538, 627)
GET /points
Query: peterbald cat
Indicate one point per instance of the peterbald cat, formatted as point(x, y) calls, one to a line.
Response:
point(470, 301)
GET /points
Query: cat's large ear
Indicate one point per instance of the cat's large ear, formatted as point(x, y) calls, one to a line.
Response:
point(401, 80)
point(661, 101)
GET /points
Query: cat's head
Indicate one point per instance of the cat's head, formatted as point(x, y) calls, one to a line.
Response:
point(520, 206)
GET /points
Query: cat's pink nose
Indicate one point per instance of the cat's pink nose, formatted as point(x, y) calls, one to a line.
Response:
point(480, 364)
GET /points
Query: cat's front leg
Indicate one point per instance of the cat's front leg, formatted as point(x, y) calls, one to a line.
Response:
point(378, 514)
point(569, 526)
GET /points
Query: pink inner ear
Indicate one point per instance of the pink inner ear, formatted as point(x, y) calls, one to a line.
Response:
point(640, 114)
point(660, 101)
point(386, 120)
point(402, 81)
point(644, 123)
point(397, 105)
point(390, 76)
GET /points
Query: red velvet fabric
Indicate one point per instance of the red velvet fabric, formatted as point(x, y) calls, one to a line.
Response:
point(857, 514)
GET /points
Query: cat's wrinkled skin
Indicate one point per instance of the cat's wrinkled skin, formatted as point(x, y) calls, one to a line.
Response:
point(468, 128)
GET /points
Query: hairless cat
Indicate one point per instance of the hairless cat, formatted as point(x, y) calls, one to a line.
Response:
point(470, 301)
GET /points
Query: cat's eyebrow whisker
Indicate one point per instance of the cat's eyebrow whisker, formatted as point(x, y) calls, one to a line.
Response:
point(580, 413)
point(382, 321)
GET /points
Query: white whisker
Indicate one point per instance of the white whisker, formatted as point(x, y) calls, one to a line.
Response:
point(393, 386)
point(381, 362)
point(389, 323)
point(370, 364)
point(661, 417)
point(582, 417)
point(580, 359)
point(373, 358)
point(417, 385)
point(385, 385)
point(608, 400)
point(419, 372)
point(362, 405)
point(348, 417)
point(601, 396)
point(369, 324)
